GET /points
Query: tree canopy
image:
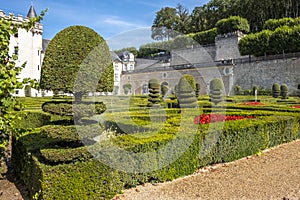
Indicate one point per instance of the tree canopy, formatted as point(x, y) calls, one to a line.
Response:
point(77, 61)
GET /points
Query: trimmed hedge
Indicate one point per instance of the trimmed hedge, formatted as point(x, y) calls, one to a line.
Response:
point(233, 24)
point(30, 119)
point(40, 160)
point(206, 37)
point(273, 24)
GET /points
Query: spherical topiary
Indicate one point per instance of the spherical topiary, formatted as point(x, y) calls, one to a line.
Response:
point(197, 90)
point(154, 92)
point(186, 94)
point(284, 91)
point(275, 90)
point(216, 88)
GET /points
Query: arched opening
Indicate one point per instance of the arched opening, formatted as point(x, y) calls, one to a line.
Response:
point(27, 91)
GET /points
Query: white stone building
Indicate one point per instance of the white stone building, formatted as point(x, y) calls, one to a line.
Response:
point(123, 62)
point(30, 47)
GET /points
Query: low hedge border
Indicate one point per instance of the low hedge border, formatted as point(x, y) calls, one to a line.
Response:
point(85, 178)
point(31, 119)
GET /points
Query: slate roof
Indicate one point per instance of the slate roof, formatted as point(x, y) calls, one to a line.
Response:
point(45, 44)
point(31, 13)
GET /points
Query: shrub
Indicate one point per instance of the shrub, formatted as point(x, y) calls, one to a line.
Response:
point(237, 90)
point(154, 87)
point(216, 87)
point(206, 37)
point(275, 90)
point(232, 24)
point(127, 87)
point(186, 93)
point(197, 91)
point(273, 24)
point(284, 91)
point(30, 119)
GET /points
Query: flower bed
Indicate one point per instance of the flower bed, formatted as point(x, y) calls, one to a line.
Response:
point(209, 118)
point(252, 104)
point(296, 106)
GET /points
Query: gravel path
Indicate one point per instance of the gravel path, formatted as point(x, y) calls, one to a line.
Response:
point(275, 174)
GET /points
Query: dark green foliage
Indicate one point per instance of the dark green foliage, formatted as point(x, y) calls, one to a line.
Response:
point(77, 61)
point(273, 24)
point(127, 87)
point(197, 91)
point(299, 90)
point(52, 172)
point(276, 90)
point(232, 24)
point(64, 108)
point(283, 40)
point(216, 87)
point(154, 92)
point(237, 90)
point(186, 92)
point(257, 44)
point(30, 119)
point(284, 91)
point(184, 41)
point(206, 37)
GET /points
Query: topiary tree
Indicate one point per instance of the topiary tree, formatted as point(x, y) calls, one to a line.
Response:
point(232, 24)
point(237, 90)
point(127, 87)
point(154, 90)
point(284, 91)
point(216, 87)
point(186, 93)
point(77, 61)
point(190, 79)
point(197, 90)
point(275, 90)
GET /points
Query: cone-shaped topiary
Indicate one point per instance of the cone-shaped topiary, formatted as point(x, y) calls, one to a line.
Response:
point(197, 90)
point(154, 92)
point(190, 79)
point(216, 89)
point(186, 94)
point(284, 91)
point(275, 90)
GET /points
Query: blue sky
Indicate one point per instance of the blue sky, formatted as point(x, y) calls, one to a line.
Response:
point(122, 23)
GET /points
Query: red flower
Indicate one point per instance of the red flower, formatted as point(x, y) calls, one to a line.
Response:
point(296, 107)
point(208, 118)
point(252, 104)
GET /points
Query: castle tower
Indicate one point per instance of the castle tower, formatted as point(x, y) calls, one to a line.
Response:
point(28, 46)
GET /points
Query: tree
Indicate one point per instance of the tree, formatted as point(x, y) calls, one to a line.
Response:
point(183, 20)
point(77, 61)
point(186, 93)
point(9, 72)
point(216, 87)
point(232, 24)
point(127, 87)
point(164, 24)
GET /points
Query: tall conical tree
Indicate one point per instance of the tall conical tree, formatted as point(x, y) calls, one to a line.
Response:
point(186, 94)
point(216, 87)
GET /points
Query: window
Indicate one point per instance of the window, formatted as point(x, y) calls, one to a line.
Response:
point(17, 92)
point(39, 67)
point(16, 35)
point(38, 52)
point(116, 77)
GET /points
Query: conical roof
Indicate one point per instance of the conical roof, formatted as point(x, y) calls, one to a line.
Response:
point(31, 13)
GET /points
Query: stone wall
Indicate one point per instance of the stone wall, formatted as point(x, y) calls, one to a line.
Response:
point(265, 73)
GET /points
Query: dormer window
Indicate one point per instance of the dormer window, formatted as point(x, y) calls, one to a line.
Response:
point(16, 50)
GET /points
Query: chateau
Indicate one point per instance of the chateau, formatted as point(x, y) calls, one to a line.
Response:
point(220, 60)
point(30, 48)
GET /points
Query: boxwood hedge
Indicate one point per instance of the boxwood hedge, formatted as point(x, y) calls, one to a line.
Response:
point(51, 170)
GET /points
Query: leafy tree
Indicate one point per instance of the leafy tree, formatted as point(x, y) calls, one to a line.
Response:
point(77, 61)
point(8, 77)
point(232, 24)
point(164, 24)
point(183, 19)
point(127, 87)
